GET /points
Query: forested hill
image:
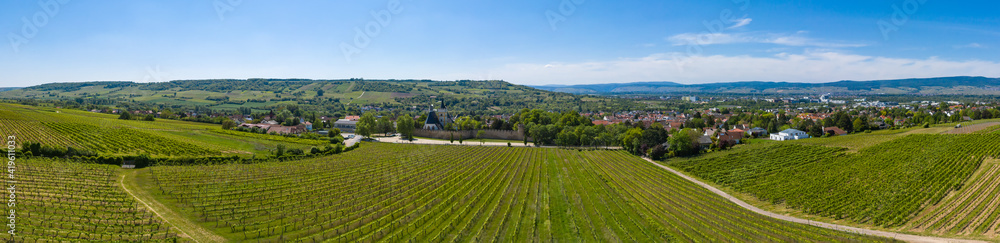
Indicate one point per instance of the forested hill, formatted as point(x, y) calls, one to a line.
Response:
point(481, 97)
point(932, 86)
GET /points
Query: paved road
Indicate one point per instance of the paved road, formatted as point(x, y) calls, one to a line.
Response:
point(741, 203)
point(351, 142)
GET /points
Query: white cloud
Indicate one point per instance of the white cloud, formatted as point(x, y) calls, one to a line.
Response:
point(740, 23)
point(797, 39)
point(810, 66)
point(970, 45)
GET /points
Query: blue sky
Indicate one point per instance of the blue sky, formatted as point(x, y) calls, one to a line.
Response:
point(521, 41)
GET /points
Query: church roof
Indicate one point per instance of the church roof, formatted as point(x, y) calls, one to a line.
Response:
point(432, 119)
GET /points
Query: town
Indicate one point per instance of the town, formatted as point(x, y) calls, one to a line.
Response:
point(646, 132)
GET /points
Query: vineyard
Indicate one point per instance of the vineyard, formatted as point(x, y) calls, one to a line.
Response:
point(972, 210)
point(73, 202)
point(124, 140)
point(413, 193)
point(107, 135)
point(885, 185)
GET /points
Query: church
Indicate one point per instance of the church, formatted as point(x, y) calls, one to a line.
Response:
point(436, 119)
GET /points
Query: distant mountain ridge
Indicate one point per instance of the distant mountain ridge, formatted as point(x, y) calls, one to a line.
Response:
point(961, 85)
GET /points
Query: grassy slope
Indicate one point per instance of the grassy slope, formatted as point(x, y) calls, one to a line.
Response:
point(587, 196)
point(854, 143)
point(201, 135)
point(140, 187)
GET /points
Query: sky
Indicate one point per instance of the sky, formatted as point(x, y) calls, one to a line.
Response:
point(533, 42)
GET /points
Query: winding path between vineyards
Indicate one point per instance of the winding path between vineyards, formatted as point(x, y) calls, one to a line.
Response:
point(741, 203)
point(193, 232)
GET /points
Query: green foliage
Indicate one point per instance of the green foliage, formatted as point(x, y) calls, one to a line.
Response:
point(683, 143)
point(413, 193)
point(228, 124)
point(367, 125)
point(384, 125)
point(405, 126)
point(884, 185)
point(280, 150)
point(50, 199)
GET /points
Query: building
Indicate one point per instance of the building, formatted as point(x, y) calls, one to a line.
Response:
point(730, 137)
point(287, 129)
point(433, 121)
point(437, 119)
point(346, 125)
point(757, 132)
point(442, 116)
point(833, 131)
point(789, 134)
point(690, 98)
point(709, 131)
point(704, 141)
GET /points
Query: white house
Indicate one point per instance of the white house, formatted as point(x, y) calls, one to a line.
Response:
point(789, 134)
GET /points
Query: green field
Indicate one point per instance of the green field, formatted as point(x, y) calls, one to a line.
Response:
point(912, 182)
point(107, 135)
point(419, 193)
point(73, 202)
point(497, 97)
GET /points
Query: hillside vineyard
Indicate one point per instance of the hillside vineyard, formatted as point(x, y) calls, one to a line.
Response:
point(411, 193)
point(886, 184)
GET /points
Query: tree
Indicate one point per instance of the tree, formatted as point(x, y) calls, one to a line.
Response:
point(682, 143)
point(480, 135)
point(319, 92)
point(366, 125)
point(404, 125)
point(815, 131)
point(334, 133)
point(844, 121)
point(149, 117)
point(858, 124)
point(419, 121)
point(166, 113)
point(280, 151)
point(125, 115)
point(630, 141)
point(384, 125)
point(228, 124)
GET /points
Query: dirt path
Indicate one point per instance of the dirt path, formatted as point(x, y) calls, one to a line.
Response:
point(359, 97)
point(187, 228)
point(741, 203)
point(972, 128)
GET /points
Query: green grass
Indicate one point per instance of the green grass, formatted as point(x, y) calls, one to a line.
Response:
point(73, 202)
point(882, 185)
point(107, 135)
point(420, 193)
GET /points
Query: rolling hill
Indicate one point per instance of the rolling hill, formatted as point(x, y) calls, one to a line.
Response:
point(485, 97)
point(929, 86)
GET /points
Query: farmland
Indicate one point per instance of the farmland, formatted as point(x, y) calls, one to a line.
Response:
point(397, 193)
point(64, 201)
point(969, 211)
point(107, 135)
point(927, 183)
